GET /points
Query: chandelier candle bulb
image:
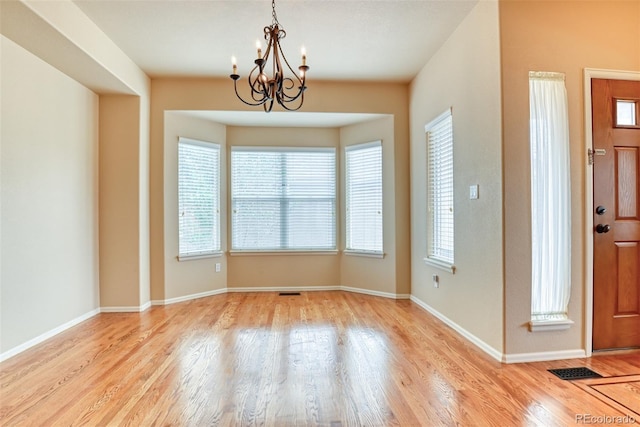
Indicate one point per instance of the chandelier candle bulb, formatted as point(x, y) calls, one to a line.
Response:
point(259, 47)
point(304, 55)
point(234, 64)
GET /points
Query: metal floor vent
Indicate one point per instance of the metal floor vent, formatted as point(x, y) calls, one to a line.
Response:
point(288, 294)
point(574, 373)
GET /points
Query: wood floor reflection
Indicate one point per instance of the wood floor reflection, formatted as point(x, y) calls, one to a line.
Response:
point(321, 358)
point(620, 392)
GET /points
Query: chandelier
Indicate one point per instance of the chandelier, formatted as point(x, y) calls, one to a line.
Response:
point(278, 87)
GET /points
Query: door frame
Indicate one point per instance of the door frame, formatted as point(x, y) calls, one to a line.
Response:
point(589, 74)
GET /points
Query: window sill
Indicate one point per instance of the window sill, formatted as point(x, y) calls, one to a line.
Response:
point(550, 325)
point(199, 256)
point(366, 254)
point(282, 253)
point(442, 265)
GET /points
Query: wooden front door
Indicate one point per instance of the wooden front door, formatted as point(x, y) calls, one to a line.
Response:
point(616, 216)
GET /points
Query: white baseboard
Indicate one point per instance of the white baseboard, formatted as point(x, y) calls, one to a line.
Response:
point(189, 297)
point(374, 293)
point(126, 309)
point(253, 289)
point(544, 356)
point(459, 329)
point(284, 289)
point(501, 357)
point(320, 288)
point(41, 338)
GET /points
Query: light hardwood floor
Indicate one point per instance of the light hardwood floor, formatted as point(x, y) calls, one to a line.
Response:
point(322, 358)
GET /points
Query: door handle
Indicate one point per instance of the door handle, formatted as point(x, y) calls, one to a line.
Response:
point(603, 228)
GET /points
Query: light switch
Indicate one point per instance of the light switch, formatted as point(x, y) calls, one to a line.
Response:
point(473, 192)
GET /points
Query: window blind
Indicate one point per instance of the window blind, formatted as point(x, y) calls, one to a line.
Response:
point(198, 197)
point(440, 188)
point(363, 171)
point(283, 198)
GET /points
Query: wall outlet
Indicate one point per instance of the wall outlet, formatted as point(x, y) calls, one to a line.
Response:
point(436, 281)
point(218, 267)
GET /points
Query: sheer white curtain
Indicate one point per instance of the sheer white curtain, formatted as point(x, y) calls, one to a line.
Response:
point(550, 196)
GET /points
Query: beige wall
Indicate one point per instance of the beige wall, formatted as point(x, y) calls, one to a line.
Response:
point(273, 270)
point(562, 36)
point(82, 59)
point(465, 75)
point(195, 276)
point(120, 228)
point(144, 248)
point(367, 273)
point(49, 198)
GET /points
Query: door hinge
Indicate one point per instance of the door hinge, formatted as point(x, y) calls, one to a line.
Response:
point(597, 152)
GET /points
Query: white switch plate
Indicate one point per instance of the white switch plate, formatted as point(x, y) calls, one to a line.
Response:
point(218, 267)
point(473, 192)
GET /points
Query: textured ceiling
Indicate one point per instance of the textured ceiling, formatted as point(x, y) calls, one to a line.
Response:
point(345, 40)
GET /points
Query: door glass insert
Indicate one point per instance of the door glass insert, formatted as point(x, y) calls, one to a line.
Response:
point(626, 112)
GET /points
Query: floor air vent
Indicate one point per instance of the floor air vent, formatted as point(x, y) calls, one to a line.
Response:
point(289, 294)
point(574, 373)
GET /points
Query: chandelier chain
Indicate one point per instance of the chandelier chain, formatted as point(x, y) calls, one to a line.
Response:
point(273, 13)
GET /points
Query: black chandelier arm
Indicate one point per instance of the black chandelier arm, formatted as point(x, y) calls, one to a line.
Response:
point(289, 98)
point(284, 96)
point(259, 89)
point(286, 106)
point(302, 68)
point(268, 106)
point(285, 100)
point(235, 78)
point(258, 82)
point(267, 38)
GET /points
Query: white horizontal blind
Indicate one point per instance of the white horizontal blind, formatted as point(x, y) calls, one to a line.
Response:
point(440, 188)
point(198, 197)
point(283, 198)
point(364, 197)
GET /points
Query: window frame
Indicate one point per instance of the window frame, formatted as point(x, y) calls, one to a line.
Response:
point(216, 248)
point(349, 249)
point(434, 250)
point(235, 250)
